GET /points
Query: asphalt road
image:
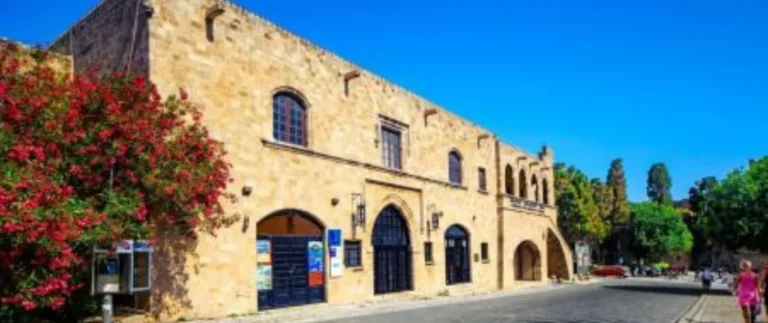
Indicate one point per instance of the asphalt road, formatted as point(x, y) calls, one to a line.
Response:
point(640, 301)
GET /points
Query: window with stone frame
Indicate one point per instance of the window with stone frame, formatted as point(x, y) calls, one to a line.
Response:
point(353, 253)
point(289, 119)
point(454, 168)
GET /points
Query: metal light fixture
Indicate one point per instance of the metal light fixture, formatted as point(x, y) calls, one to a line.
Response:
point(247, 189)
point(436, 220)
point(358, 213)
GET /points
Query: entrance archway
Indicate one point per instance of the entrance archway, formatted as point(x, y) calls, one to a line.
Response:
point(391, 252)
point(527, 262)
point(457, 263)
point(557, 265)
point(290, 260)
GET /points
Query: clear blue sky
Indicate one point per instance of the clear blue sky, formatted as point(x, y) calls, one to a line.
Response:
point(683, 82)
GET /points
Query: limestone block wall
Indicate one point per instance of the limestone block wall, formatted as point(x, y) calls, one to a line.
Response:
point(112, 37)
point(234, 77)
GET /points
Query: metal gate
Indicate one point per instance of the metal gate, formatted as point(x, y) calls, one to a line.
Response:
point(391, 253)
point(290, 274)
point(457, 256)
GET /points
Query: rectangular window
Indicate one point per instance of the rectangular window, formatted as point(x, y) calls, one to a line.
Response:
point(481, 179)
point(428, 252)
point(484, 251)
point(352, 254)
point(390, 148)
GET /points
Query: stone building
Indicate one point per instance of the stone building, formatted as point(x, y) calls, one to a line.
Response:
point(425, 202)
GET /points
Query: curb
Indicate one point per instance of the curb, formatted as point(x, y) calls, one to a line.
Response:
point(694, 313)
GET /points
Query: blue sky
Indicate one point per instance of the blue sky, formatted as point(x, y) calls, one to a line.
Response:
point(684, 82)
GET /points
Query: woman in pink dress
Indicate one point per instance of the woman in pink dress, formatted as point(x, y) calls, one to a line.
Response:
point(748, 290)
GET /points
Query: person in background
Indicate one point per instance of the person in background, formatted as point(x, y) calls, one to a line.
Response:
point(763, 285)
point(706, 279)
point(747, 288)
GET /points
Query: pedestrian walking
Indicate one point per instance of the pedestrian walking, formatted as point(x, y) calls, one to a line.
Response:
point(706, 279)
point(747, 288)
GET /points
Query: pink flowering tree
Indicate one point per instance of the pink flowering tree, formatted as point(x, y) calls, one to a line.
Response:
point(87, 160)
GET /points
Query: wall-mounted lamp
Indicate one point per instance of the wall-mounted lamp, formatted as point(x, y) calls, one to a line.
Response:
point(358, 213)
point(436, 220)
point(247, 190)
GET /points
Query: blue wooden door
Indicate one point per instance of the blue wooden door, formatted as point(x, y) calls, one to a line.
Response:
point(290, 274)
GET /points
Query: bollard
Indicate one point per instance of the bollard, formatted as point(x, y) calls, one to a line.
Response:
point(106, 309)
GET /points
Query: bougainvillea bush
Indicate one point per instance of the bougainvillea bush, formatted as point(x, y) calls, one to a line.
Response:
point(92, 159)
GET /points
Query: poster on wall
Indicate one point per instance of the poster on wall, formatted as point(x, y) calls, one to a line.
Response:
point(263, 277)
point(263, 265)
point(334, 245)
point(263, 252)
point(315, 263)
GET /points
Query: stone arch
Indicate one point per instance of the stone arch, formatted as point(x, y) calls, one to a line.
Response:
point(509, 180)
point(399, 203)
point(557, 263)
point(545, 191)
point(279, 222)
point(535, 187)
point(292, 91)
point(523, 185)
point(290, 259)
point(527, 261)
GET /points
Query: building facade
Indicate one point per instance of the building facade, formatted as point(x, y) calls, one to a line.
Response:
point(351, 189)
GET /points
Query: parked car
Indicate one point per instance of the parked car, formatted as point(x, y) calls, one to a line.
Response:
point(627, 272)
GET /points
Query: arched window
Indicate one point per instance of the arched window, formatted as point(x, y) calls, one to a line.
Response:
point(509, 180)
point(523, 187)
point(545, 191)
point(289, 117)
point(454, 168)
point(535, 186)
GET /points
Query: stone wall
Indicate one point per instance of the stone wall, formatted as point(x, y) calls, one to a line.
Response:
point(112, 37)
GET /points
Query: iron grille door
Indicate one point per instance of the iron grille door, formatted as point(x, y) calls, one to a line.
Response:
point(391, 253)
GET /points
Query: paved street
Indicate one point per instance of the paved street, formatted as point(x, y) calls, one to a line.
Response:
point(615, 301)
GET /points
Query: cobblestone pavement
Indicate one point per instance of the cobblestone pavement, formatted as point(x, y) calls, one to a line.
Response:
point(627, 301)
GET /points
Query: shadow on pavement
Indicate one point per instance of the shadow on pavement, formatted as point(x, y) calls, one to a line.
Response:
point(676, 290)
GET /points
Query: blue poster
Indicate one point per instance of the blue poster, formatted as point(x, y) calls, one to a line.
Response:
point(334, 237)
point(315, 256)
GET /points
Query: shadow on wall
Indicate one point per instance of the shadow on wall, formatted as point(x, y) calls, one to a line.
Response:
point(170, 274)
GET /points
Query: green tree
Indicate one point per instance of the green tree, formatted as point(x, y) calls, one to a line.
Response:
point(736, 210)
point(658, 229)
point(579, 215)
point(700, 195)
point(617, 188)
point(603, 199)
point(659, 184)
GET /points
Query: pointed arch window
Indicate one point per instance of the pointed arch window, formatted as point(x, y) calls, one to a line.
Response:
point(523, 187)
point(545, 191)
point(289, 116)
point(535, 186)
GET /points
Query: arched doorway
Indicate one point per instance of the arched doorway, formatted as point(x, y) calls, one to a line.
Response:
point(391, 252)
point(557, 265)
point(527, 262)
point(290, 260)
point(457, 263)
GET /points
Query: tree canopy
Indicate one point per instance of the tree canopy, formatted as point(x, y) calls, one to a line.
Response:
point(579, 215)
point(734, 214)
point(617, 188)
point(658, 229)
point(659, 184)
point(87, 160)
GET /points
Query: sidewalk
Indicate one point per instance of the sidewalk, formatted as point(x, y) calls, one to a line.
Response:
point(715, 308)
